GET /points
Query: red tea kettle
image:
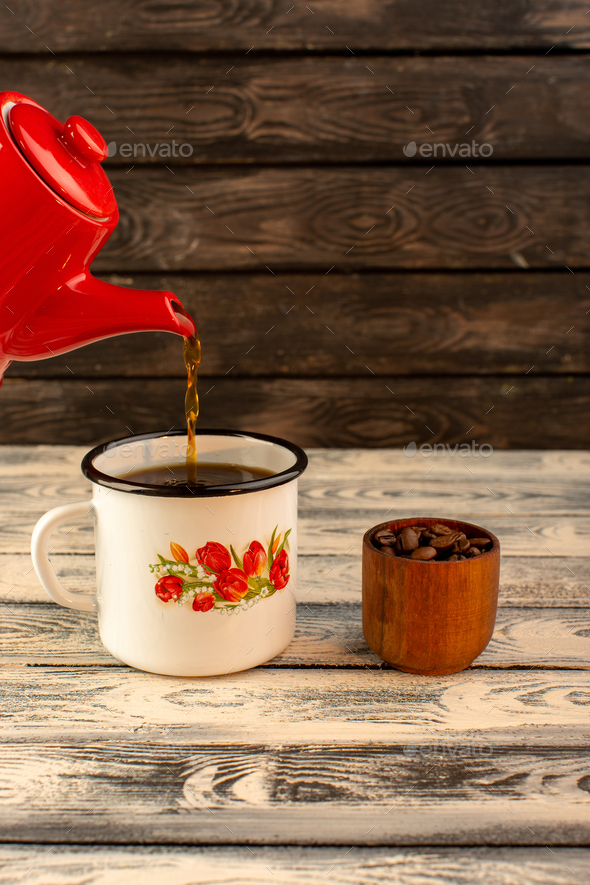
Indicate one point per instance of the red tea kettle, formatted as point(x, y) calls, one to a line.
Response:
point(57, 209)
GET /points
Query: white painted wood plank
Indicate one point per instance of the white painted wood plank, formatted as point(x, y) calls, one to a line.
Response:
point(110, 865)
point(339, 502)
point(546, 708)
point(326, 636)
point(39, 460)
point(45, 476)
point(484, 495)
point(427, 793)
point(524, 581)
point(331, 533)
point(545, 536)
point(19, 582)
point(65, 461)
point(393, 461)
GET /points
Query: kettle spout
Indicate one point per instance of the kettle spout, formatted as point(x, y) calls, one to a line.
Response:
point(85, 310)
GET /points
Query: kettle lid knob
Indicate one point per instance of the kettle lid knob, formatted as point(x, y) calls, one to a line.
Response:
point(85, 140)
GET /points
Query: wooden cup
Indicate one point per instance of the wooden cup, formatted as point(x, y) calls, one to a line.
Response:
point(432, 618)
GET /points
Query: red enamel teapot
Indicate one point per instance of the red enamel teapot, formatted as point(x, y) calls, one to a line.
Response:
point(57, 209)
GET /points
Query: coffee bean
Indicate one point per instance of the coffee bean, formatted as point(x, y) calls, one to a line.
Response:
point(459, 536)
point(439, 529)
point(453, 558)
point(480, 542)
point(385, 538)
point(444, 542)
point(462, 557)
point(409, 539)
point(463, 544)
point(388, 551)
point(427, 535)
point(423, 553)
point(398, 545)
point(473, 551)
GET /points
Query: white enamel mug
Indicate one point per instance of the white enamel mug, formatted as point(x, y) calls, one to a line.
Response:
point(189, 582)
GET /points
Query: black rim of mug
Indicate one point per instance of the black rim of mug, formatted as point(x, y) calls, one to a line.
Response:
point(213, 491)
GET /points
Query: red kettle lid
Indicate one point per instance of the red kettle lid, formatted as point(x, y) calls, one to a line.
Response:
point(66, 156)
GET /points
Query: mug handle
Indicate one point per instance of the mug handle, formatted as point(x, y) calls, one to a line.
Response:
point(40, 551)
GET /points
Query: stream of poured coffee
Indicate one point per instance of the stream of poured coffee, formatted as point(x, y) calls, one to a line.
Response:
point(192, 358)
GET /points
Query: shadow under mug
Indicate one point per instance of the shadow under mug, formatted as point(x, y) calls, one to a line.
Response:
point(190, 582)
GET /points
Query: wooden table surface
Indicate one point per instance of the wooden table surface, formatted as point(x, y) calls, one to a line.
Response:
point(324, 765)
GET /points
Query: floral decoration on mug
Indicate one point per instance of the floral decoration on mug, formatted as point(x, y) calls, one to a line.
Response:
point(209, 580)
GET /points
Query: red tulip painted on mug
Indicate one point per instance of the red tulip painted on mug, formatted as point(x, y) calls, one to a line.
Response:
point(169, 587)
point(214, 557)
point(254, 559)
point(203, 602)
point(232, 584)
point(279, 570)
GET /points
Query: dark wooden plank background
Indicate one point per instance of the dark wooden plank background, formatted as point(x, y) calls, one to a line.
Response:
point(282, 110)
point(326, 269)
point(373, 25)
